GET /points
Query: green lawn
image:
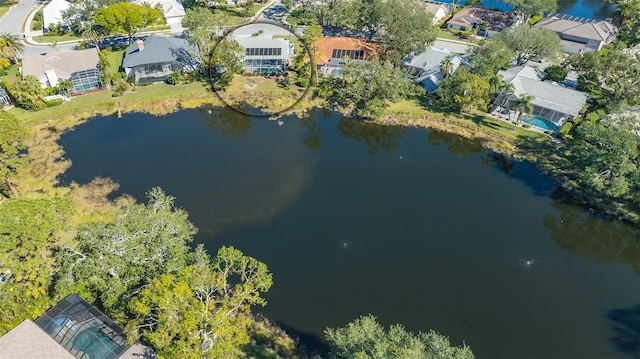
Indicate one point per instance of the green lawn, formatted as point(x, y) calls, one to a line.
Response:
point(236, 14)
point(10, 74)
point(60, 38)
point(115, 61)
point(479, 120)
point(446, 35)
point(102, 99)
point(4, 8)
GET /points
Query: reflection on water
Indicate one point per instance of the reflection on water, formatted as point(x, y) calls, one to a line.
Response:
point(225, 120)
point(583, 234)
point(456, 145)
point(375, 137)
point(625, 324)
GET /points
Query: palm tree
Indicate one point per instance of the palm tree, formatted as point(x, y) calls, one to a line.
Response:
point(495, 84)
point(507, 89)
point(91, 34)
point(446, 67)
point(523, 105)
point(12, 45)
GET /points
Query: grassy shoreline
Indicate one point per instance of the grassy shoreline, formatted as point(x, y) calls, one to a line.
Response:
point(47, 125)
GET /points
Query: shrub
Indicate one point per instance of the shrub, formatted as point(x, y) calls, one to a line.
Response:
point(555, 73)
point(54, 102)
point(174, 78)
point(120, 87)
point(564, 130)
point(534, 19)
point(592, 117)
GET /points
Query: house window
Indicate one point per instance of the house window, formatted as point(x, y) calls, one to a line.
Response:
point(151, 68)
point(351, 54)
point(262, 51)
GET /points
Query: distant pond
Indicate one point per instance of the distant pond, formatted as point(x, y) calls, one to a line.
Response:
point(417, 227)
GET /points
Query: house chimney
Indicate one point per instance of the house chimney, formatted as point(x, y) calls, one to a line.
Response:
point(140, 44)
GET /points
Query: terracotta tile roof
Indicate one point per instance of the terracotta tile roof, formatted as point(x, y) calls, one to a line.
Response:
point(326, 45)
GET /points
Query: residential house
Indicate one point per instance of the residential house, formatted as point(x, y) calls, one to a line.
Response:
point(487, 22)
point(172, 10)
point(80, 67)
point(73, 329)
point(52, 14)
point(578, 35)
point(334, 51)
point(427, 66)
point(439, 11)
point(553, 104)
point(265, 54)
point(157, 56)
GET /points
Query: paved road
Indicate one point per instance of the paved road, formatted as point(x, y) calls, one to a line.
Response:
point(12, 21)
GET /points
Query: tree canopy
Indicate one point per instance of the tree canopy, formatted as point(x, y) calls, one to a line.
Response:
point(225, 62)
point(366, 87)
point(12, 143)
point(29, 229)
point(526, 41)
point(465, 90)
point(128, 18)
point(110, 262)
point(629, 13)
point(605, 158)
point(202, 25)
point(490, 56)
point(28, 93)
point(408, 28)
point(218, 293)
point(611, 76)
point(401, 27)
point(365, 338)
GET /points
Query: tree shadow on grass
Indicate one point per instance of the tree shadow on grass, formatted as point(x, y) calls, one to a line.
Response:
point(626, 326)
point(434, 104)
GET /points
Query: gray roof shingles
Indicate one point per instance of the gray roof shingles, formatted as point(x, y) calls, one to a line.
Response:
point(157, 49)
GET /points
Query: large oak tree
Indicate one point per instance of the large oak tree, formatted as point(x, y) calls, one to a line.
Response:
point(128, 18)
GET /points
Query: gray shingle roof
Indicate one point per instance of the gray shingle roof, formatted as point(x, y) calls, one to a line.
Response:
point(598, 30)
point(157, 49)
point(546, 94)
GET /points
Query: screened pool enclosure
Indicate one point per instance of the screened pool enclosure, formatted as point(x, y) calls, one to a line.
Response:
point(83, 330)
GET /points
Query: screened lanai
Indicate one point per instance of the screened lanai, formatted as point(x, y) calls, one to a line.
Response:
point(83, 330)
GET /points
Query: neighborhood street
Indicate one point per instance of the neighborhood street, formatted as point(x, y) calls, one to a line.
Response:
point(12, 22)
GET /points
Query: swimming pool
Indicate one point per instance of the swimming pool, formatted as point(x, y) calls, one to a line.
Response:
point(540, 123)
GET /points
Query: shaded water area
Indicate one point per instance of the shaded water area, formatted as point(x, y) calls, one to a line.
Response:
point(417, 227)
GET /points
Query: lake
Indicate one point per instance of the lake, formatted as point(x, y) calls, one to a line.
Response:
point(594, 9)
point(417, 227)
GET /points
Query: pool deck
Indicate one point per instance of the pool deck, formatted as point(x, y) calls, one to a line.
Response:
point(512, 116)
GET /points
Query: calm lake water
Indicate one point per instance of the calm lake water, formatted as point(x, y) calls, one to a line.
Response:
point(594, 9)
point(414, 226)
